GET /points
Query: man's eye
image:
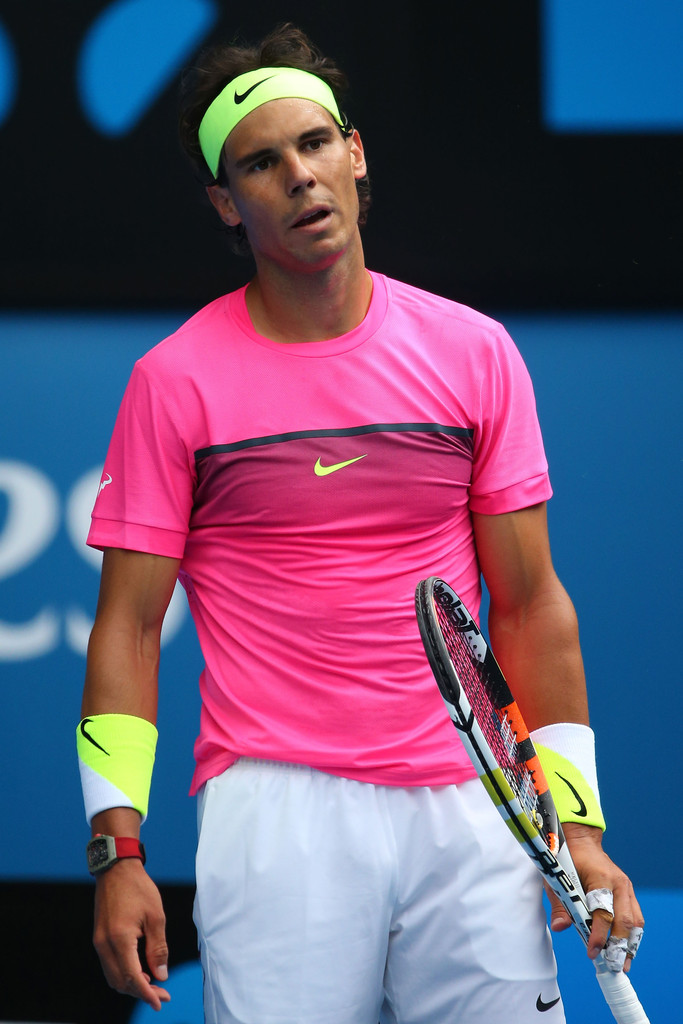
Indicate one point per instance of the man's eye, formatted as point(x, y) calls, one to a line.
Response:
point(261, 165)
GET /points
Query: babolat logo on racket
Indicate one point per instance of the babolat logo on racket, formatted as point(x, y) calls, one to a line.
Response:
point(463, 622)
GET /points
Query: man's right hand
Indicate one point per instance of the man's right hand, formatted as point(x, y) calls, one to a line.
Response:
point(128, 908)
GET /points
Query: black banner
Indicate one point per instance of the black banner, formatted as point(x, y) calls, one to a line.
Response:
point(473, 197)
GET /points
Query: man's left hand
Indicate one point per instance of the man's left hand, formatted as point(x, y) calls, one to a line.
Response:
point(597, 871)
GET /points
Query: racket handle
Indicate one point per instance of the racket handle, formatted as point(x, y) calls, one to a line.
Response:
point(620, 995)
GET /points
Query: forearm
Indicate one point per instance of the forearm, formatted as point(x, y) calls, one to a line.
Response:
point(117, 735)
point(123, 653)
point(122, 669)
point(116, 739)
point(537, 644)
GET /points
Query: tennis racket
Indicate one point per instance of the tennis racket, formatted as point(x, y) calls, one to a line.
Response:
point(494, 735)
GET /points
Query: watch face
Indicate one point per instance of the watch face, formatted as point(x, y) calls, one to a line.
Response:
point(98, 853)
point(104, 851)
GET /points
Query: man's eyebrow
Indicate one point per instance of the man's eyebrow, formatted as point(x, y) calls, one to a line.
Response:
point(254, 157)
point(321, 131)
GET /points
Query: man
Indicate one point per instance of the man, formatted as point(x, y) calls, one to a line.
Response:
point(301, 453)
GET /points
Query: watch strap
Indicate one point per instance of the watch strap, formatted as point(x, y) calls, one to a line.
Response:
point(104, 851)
point(127, 846)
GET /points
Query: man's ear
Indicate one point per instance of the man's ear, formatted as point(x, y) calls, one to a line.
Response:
point(221, 199)
point(358, 162)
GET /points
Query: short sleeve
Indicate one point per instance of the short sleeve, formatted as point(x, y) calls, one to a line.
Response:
point(146, 492)
point(510, 470)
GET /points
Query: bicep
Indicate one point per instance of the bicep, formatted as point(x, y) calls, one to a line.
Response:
point(514, 555)
point(136, 585)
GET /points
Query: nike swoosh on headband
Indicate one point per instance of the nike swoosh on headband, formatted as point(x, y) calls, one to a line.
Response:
point(236, 101)
point(241, 97)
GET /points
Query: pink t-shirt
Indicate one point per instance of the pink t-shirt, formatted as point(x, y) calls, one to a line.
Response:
point(307, 489)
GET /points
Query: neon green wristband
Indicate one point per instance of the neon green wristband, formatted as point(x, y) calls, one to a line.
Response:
point(573, 796)
point(115, 758)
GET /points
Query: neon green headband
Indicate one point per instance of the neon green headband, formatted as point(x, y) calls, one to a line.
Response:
point(249, 91)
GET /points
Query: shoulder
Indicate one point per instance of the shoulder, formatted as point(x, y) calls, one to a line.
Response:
point(418, 302)
point(445, 319)
point(180, 367)
point(199, 333)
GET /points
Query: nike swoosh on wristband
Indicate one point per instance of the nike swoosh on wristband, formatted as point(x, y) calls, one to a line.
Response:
point(582, 811)
point(89, 737)
point(241, 97)
point(542, 1007)
point(321, 470)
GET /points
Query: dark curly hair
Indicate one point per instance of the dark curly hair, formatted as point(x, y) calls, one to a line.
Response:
point(285, 46)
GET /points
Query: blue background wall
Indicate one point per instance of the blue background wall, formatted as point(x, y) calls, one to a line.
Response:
point(543, 185)
point(608, 392)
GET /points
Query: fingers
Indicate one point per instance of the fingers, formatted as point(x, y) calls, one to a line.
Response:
point(122, 966)
point(619, 935)
point(617, 920)
point(632, 944)
point(600, 902)
point(156, 950)
point(600, 932)
point(128, 909)
point(560, 919)
point(627, 930)
point(621, 950)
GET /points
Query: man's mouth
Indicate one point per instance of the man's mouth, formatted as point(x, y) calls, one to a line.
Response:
point(311, 218)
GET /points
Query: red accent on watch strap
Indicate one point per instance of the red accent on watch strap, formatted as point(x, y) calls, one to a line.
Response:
point(127, 846)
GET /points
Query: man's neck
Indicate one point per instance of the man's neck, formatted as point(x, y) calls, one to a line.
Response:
point(309, 307)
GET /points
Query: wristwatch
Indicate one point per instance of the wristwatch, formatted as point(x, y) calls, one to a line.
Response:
point(104, 851)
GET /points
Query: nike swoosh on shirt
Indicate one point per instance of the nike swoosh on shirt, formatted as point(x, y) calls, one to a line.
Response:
point(582, 811)
point(241, 97)
point(321, 470)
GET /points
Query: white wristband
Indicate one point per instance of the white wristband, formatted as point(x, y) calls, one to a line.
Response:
point(576, 744)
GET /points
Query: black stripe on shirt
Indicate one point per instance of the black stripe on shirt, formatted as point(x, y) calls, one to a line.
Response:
point(369, 428)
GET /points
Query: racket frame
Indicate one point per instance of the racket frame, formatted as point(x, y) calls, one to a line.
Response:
point(551, 855)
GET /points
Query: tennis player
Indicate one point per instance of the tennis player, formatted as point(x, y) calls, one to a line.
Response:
point(300, 454)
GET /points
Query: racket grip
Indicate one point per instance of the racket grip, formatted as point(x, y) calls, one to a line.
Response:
point(620, 995)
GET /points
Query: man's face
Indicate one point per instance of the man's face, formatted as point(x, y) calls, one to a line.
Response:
point(292, 179)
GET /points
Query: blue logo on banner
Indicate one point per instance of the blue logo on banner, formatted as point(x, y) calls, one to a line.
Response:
point(8, 75)
point(613, 66)
point(132, 52)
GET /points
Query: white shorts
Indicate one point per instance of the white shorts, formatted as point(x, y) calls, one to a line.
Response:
point(322, 900)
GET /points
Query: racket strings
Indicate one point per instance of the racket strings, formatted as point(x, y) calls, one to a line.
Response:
point(494, 723)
